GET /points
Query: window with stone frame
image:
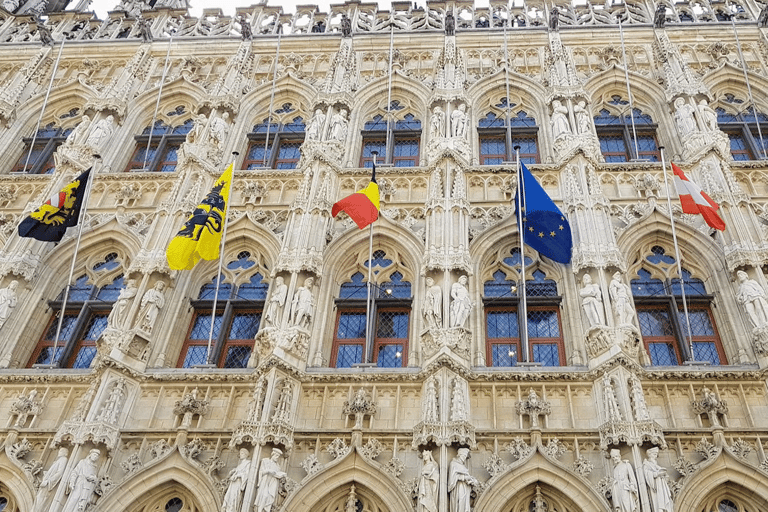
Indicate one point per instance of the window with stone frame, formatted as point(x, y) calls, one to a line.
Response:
point(85, 317)
point(747, 132)
point(397, 143)
point(390, 308)
point(501, 302)
point(495, 147)
point(660, 313)
point(239, 306)
point(276, 144)
point(614, 126)
point(157, 147)
point(40, 160)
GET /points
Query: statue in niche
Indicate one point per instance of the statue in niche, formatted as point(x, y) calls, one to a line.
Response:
point(269, 482)
point(437, 123)
point(431, 410)
point(8, 301)
point(101, 132)
point(339, 126)
point(460, 305)
point(276, 303)
point(315, 126)
point(219, 129)
point(346, 26)
point(458, 402)
point(762, 18)
point(450, 24)
point(82, 483)
point(429, 482)
point(752, 296)
point(660, 16)
point(151, 304)
point(592, 301)
point(145, 30)
point(114, 404)
point(459, 121)
point(560, 124)
point(246, 34)
point(638, 399)
point(656, 480)
point(302, 307)
point(117, 316)
point(620, 296)
point(433, 305)
point(708, 115)
point(609, 395)
point(237, 478)
point(198, 128)
point(460, 482)
point(51, 479)
point(554, 18)
point(686, 124)
point(79, 134)
point(583, 121)
point(624, 487)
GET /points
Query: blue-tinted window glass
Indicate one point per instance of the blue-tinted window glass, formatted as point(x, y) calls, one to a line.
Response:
point(706, 351)
point(67, 326)
point(355, 289)
point(543, 324)
point(110, 292)
point(46, 355)
point(613, 148)
point(499, 287)
point(548, 354)
point(202, 328)
point(408, 123)
point(693, 286)
point(378, 123)
point(492, 150)
point(351, 326)
point(699, 320)
point(392, 324)
point(348, 355)
point(406, 152)
point(646, 286)
point(237, 356)
point(502, 324)
point(208, 291)
point(513, 260)
point(254, 289)
point(400, 289)
point(655, 322)
point(84, 357)
point(503, 355)
point(256, 155)
point(196, 355)
point(244, 326)
point(540, 286)
point(78, 292)
point(491, 121)
point(662, 354)
point(388, 356)
point(739, 148)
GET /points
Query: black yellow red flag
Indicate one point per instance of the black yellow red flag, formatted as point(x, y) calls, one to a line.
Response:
point(49, 222)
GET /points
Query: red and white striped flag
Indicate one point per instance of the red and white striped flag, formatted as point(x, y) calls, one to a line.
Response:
point(696, 201)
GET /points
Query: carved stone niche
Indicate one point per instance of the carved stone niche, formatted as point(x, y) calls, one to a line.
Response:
point(290, 345)
point(130, 348)
point(603, 343)
point(454, 342)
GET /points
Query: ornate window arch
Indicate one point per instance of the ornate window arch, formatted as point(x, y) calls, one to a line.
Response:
point(497, 140)
point(396, 142)
point(44, 144)
point(615, 129)
point(275, 144)
point(387, 344)
point(157, 146)
point(503, 313)
point(239, 306)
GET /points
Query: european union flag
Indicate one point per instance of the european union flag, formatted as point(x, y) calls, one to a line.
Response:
point(545, 228)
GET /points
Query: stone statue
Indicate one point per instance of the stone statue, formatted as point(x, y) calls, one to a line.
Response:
point(198, 127)
point(114, 404)
point(101, 132)
point(638, 399)
point(219, 129)
point(752, 296)
point(560, 124)
point(269, 482)
point(431, 412)
point(237, 478)
point(611, 404)
point(460, 483)
point(708, 116)
point(450, 24)
point(624, 487)
point(429, 481)
point(346, 26)
point(45, 34)
point(79, 134)
point(245, 29)
point(51, 479)
point(762, 18)
point(437, 123)
point(459, 121)
point(460, 305)
point(276, 303)
point(303, 305)
point(24, 406)
point(656, 480)
point(620, 296)
point(117, 316)
point(315, 126)
point(583, 122)
point(660, 16)
point(145, 30)
point(151, 304)
point(458, 401)
point(339, 126)
point(8, 301)
point(686, 124)
point(592, 301)
point(433, 305)
point(82, 483)
point(554, 18)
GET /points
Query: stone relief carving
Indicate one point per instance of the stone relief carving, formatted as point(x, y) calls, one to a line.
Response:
point(612, 411)
point(430, 409)
point(533, 407)
point(82, 483)
point(24, 407)
point(639, 407)
point(359, 407)
point(711, 405)
point(237, 480)
point(151, 304)
point(113, 406)
point(190, 406)
point(624, 489)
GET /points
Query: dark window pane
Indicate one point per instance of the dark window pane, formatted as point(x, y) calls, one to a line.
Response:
point(255, 289)
point(543, 324)
point(614, 148)
point(388, 356)
point(66, 328)
point(195, 355)
point(244, 326)
point(499, 287)
point(502, 324)
point(110, 292)
point(46, 355)
point(392, 325)
point(202, 328)
point(662, 354)
point(655, 322)
point(547, 354)
point(699, 320)
point(706, 351)
point(348, 355)
point(237, 356)
point(351, 326)
point(288, 155)
point(255, 157)
point(84, 357)
point(96, 326)
point(503, 355)
point(739, 147)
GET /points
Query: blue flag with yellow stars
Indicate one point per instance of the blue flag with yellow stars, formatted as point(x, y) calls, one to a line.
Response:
point(545, 227)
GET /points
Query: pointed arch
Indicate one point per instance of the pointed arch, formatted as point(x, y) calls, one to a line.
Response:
point(369, 97)
point(489, 87)
point(288, 89)
point(645, 92)
point(14, 483)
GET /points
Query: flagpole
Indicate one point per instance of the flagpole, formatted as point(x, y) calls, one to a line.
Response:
point(629, 91)
point(218, 274)
point(368, 298)
point(677, 255)
point(45, 103)
point(521, 230)
point(272, 99)
point(157, 103)
point(80, 223)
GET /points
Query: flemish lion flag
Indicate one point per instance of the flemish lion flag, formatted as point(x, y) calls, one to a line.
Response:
point(50, 221)
point(200, 236)
point(362, 206)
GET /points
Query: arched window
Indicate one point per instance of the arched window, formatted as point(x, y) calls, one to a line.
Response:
point(235, 324)
point(741, 125)
point(660, 313)
point(276, 145)
point(497, 146)
point(85, 318)
point(40, 161)
point(160, 154)
point(617, 135)
point(503, 316)
point(403, 135)
point(390, 307)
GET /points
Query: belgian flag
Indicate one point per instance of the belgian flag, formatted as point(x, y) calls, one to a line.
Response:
point(363, 206)
point(50, 221)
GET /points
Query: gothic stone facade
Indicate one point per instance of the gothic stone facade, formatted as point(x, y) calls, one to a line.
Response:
point(616, 402)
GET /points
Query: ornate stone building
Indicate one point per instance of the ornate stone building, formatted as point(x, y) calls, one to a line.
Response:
point(256, 388)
